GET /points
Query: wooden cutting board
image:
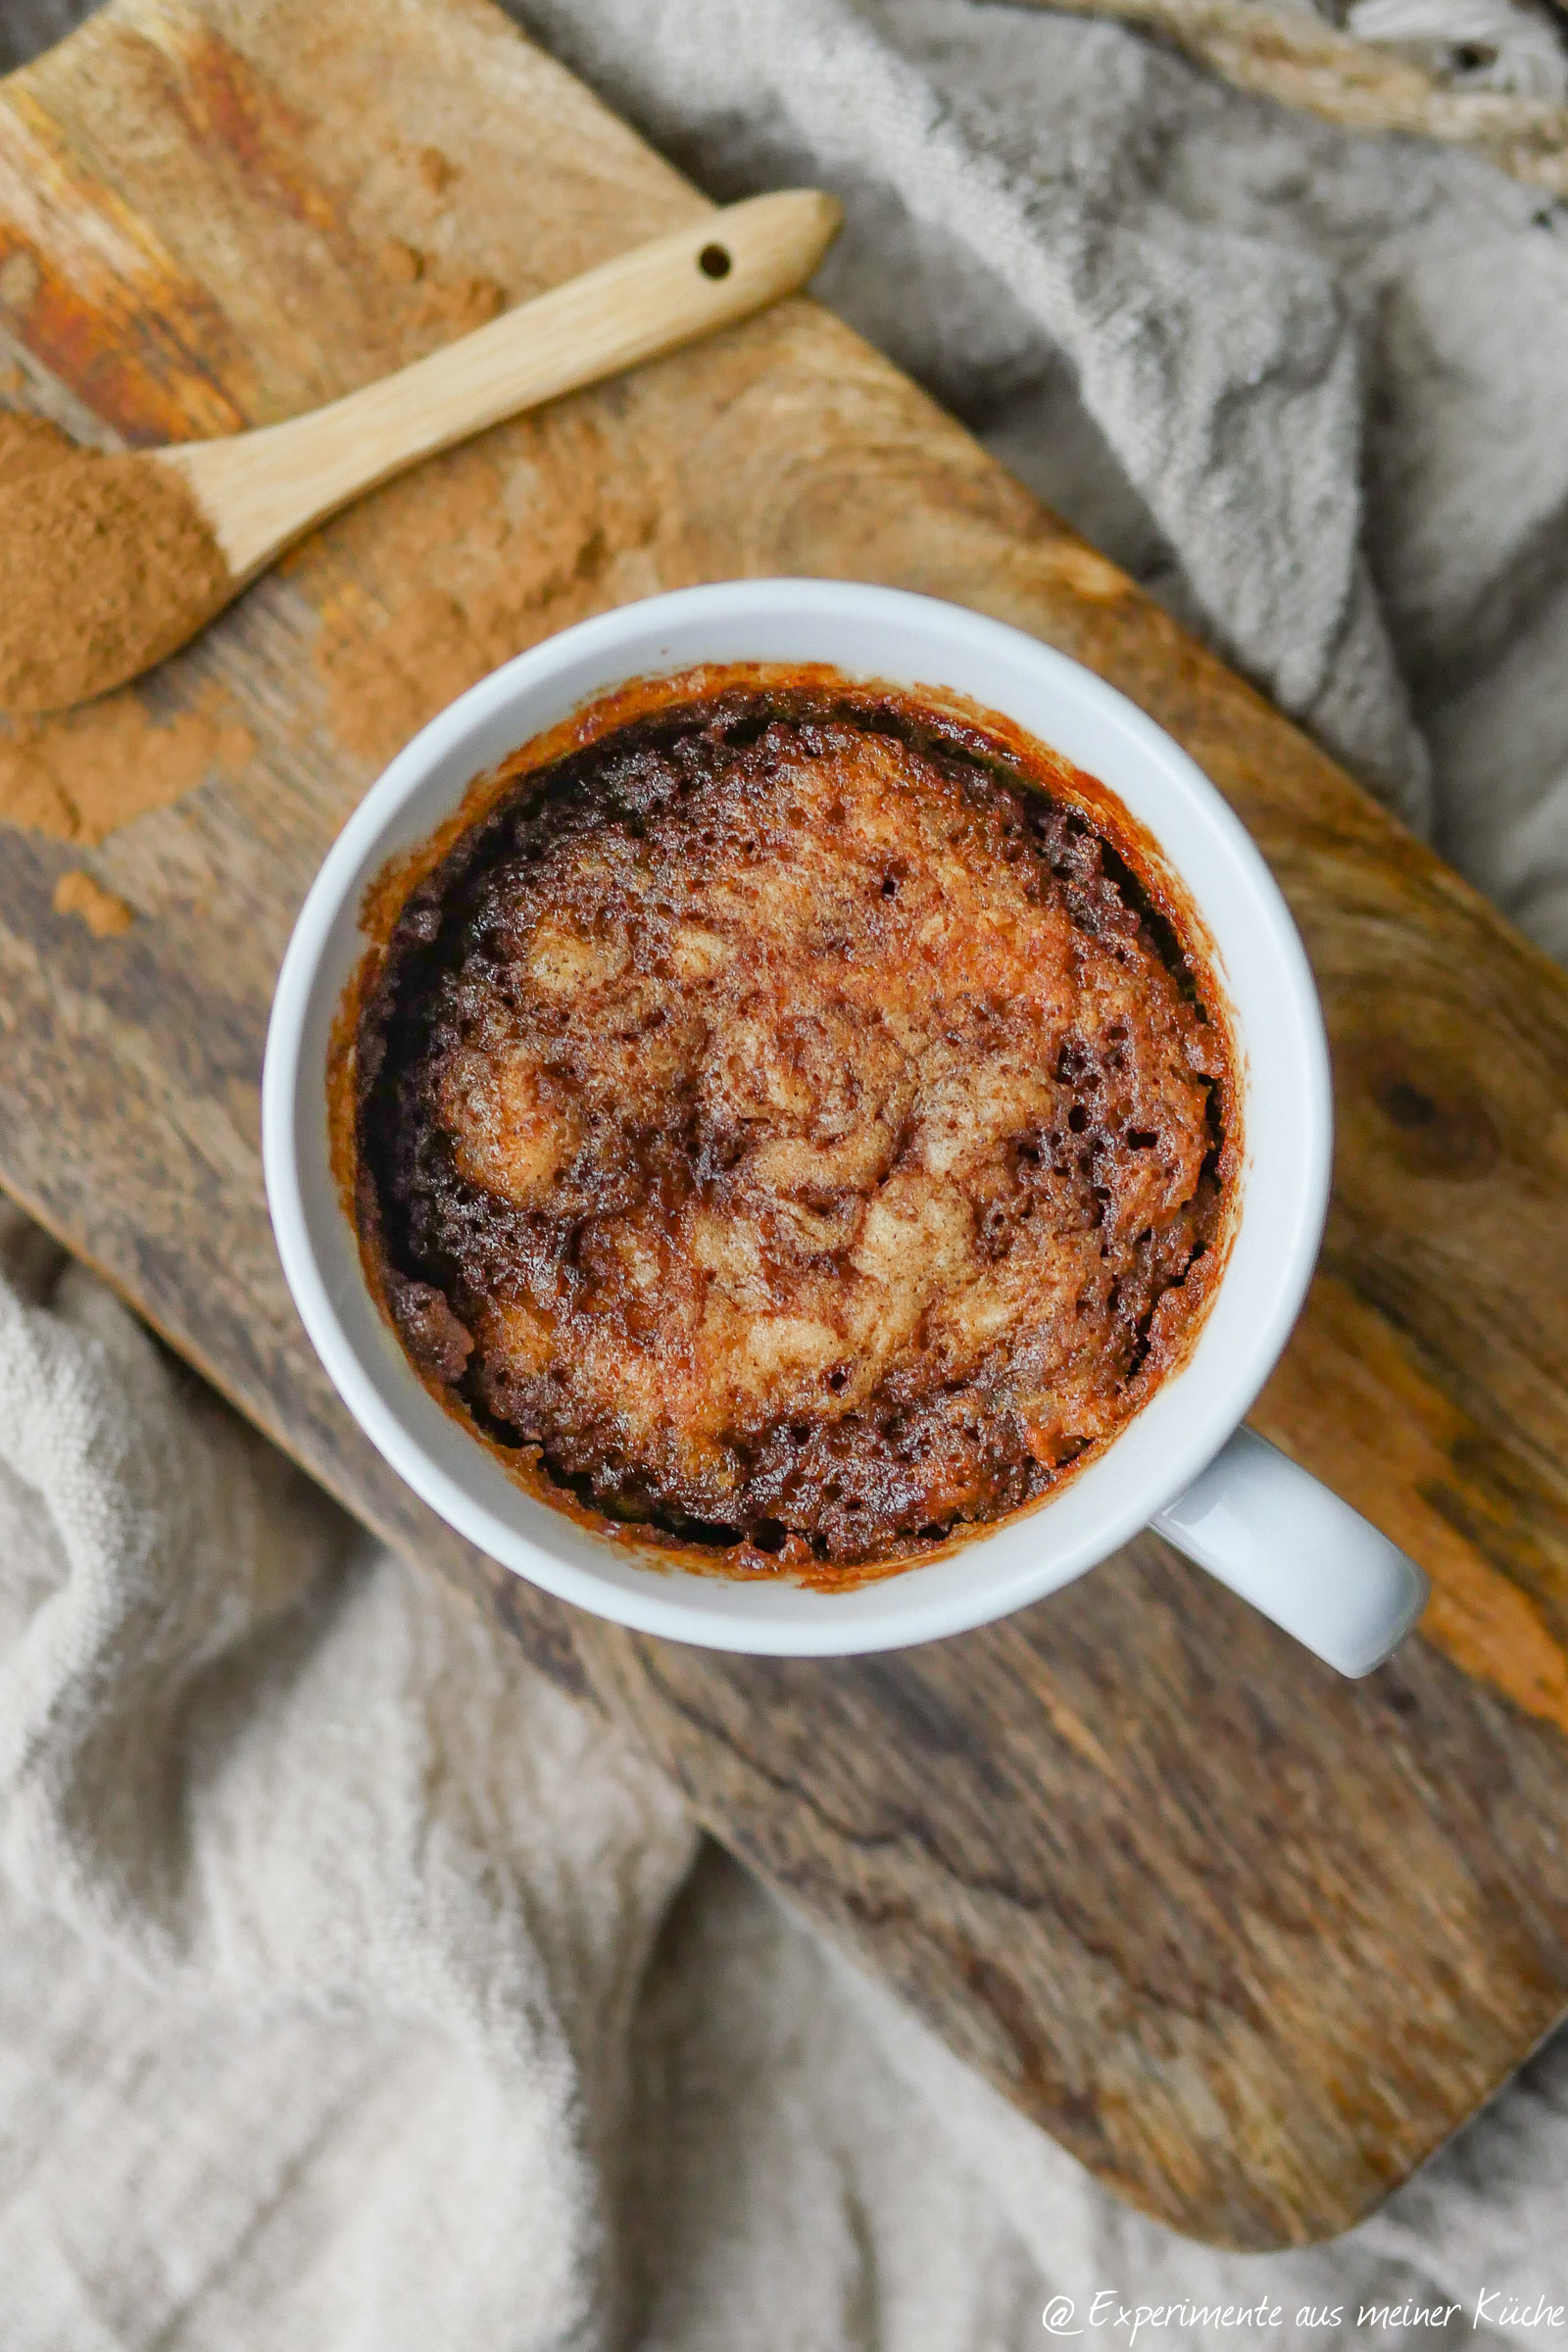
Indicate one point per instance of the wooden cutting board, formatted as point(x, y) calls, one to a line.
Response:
point(1248, 1941)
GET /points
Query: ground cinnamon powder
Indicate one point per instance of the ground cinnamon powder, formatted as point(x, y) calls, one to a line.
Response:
point(107, 564)
point(81, 775)
point(104, 912)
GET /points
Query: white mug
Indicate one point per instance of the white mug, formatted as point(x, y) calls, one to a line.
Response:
point(1183, 1464)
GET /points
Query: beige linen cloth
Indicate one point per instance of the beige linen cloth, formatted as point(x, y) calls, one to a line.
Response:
point(356, 1994)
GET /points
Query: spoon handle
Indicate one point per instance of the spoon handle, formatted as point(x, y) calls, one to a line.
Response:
point(261, 490)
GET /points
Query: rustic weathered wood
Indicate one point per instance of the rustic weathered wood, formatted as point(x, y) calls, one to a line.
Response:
point(1247, 1940)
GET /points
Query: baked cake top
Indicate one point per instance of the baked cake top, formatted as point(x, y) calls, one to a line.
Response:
point(797, 1132)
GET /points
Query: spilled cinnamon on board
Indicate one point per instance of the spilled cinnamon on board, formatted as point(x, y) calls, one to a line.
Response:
point(104, 912)
point(107, 564)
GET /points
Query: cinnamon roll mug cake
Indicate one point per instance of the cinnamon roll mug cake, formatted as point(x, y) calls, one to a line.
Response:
point(796, 1117)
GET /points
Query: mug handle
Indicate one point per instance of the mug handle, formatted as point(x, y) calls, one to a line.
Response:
point(1270, 1532)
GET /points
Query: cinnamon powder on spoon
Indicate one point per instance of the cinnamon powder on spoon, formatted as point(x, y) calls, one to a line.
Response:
point(107, 564)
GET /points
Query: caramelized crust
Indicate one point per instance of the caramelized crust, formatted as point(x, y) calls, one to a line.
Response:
point(805, 1135)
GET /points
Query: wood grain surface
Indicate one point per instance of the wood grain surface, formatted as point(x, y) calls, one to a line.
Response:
point(1247, 1940)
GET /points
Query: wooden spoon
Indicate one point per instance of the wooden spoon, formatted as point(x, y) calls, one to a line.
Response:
point(261, 491)
point(108, 563)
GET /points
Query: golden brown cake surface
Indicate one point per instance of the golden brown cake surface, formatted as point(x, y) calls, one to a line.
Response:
point(805, 1135)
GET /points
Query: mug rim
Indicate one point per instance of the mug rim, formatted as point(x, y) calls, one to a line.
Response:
point(1286, 1124)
